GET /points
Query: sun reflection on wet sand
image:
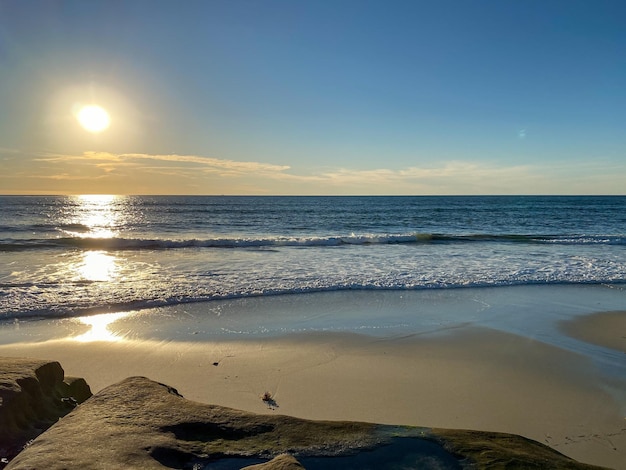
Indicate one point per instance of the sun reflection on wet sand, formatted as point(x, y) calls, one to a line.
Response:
point(100, 327)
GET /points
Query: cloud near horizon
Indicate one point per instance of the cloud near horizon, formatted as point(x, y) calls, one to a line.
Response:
point(139, 173)
point(210, 162)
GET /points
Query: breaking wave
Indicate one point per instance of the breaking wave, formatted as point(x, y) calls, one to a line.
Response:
point(331, 241)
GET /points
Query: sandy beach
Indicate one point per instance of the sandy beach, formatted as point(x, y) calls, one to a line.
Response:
point(606, 329)
point(468, 378)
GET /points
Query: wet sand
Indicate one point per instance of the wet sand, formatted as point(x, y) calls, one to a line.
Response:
point(469, 378)
point(607, 329)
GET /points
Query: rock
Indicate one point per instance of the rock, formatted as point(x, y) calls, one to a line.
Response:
point(282, 462)
point(144, 424)
point(33, 395)
point(493, 450)
point(138, 423)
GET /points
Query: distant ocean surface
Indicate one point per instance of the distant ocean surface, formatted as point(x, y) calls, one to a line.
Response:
point(64, 256)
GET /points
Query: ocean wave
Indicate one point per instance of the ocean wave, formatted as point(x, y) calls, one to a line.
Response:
point(47, 284)
point(330, 241)
point(75, 310)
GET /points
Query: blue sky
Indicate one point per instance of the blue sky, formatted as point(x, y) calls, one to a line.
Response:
point(314, 97)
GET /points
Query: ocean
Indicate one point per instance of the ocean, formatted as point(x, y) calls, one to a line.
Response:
point(64, 256)
point(405, 289)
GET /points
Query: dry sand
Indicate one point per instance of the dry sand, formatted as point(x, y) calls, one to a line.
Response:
point(472, 379)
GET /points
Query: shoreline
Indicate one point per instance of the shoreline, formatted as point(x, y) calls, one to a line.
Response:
point(606, 329)
point(469, 378)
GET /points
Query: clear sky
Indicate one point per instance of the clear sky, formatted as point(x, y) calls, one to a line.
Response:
point(314, 96)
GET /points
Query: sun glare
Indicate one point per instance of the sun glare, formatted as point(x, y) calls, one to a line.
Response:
point(93, 118)
point(99, 330)
point(98, 266)
point(99, 214)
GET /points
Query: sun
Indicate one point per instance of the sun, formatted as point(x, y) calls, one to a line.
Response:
point(93, 118)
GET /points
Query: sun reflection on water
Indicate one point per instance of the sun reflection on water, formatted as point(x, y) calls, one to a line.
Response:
point(97, 266)
point(99, 330)
point(98, 215)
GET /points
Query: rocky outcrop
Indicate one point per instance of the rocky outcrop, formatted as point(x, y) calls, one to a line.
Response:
point(493, 450)
point(138, 423)
point(34, 394)
point(282, 462)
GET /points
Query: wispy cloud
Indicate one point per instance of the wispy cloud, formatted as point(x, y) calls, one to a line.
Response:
point(108, 160)
point(449, 177)
point(180, 174)
point(211, 162)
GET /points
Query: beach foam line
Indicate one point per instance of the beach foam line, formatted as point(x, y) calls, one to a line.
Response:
point(593, 294)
